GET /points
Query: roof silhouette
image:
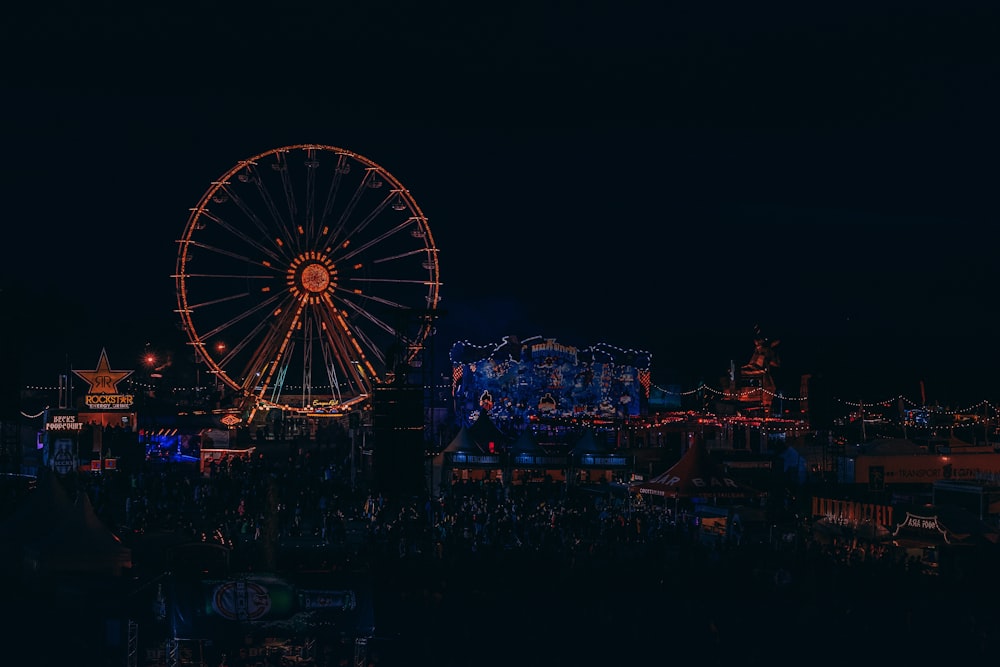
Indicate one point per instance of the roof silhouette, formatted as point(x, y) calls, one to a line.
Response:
point(527, 443)
point(42, 508)
point(694, 475)
point(463, 442)
point(485, 431)
point(588, 443)
point(79, 542)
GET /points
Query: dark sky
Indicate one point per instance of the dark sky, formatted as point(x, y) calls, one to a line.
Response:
point(665, 182)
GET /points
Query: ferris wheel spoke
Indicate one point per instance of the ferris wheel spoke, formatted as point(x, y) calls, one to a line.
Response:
point(279, 338)
point(403, 255)
point(334, 234)
point(253, 243)
point(396, 281)
point(370, 317)
point(355, 339)
point(251, 175)
point(272, 347)
point(341, 351)
point(272, 208)
point(371, 297)
point(286, 184)
point(330, 367)
point(228, 276)
point(360, 227)
point(261, 325)
point(373, 350)
point(312, 164)
point(245, 315)
point(215, 302)
point(370, 244)
point(344, 350)
point(237, 349)
point(343, 167)
point(228, 253)
point(347, 341)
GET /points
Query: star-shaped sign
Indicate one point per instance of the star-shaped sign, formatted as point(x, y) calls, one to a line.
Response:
point(103, 380)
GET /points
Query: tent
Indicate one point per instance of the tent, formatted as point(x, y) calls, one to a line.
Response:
point(485, 432)
point(465, 452)
point(463, 443)
point(79, 542)
point(588, 443)
point(41, 508)
point(526, 453)
point(694, 475)
point(526, 444)
point(934, 525)
point(52, 533)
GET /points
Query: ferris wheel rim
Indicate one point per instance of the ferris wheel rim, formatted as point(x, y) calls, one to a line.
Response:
point(198, 336)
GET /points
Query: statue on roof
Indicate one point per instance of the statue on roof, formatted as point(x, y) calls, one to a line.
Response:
point(765, 355)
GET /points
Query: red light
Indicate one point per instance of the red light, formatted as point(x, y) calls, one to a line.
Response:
point(491, 447)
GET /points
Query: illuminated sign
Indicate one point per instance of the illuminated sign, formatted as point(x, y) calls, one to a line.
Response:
point(63, 423)
point(922, 524)
point(103, 393)
point(702, 483)
point(604, 460)
point(241, 600)
point(230, 420)
point(111, 402)
point(461, 457)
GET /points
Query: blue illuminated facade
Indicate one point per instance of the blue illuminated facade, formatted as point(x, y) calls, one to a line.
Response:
point(519, 381)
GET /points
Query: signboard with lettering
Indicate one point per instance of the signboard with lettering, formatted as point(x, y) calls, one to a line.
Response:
point(926, 468)
point(59, 422)
point(63, 456)
point(103, 393)
point(926, 526)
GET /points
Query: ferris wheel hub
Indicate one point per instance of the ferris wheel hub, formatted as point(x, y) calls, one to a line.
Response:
point(311, 274)
point(314, 277)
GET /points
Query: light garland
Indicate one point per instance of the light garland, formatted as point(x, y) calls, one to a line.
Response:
point(885, 403)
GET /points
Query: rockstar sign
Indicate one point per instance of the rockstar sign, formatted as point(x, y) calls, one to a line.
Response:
point(103, 393)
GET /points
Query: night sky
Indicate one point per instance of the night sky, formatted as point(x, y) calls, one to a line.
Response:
point(662, 182)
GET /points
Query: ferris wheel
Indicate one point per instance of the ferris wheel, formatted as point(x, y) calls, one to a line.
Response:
point(305, 275)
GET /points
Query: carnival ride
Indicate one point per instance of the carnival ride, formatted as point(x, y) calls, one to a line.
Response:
point(305, 276)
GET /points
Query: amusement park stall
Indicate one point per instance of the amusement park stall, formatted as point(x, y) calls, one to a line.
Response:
point(464, 460)
point(92, 432)
point(528, 461)
point(594, 461)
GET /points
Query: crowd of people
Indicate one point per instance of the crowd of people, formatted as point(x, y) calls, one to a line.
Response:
point(556, 558)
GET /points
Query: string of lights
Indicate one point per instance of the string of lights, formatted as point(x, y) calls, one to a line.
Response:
point(884, 403)
point(983, 406)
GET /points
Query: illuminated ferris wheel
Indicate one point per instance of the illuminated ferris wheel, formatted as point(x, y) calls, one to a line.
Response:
point(304, 276)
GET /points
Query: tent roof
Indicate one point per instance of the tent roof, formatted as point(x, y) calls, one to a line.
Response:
point(694, 475)
point(941, 523)
point(42, 508)
point(588, 443)
point(79, 541)
point(484, 431)
point(527, 443)
point(463, 442)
